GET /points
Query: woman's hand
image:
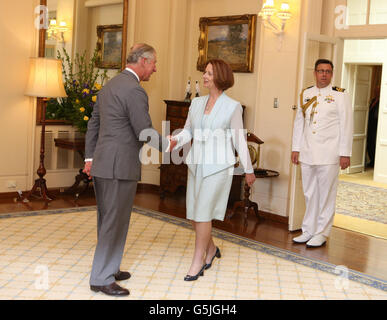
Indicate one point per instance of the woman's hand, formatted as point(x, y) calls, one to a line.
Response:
point(250, 178)
point(172, 143)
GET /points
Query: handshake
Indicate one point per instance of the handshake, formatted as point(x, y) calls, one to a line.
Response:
point(172, 143)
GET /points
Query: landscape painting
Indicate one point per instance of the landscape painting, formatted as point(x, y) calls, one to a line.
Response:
point(230, 38)
point(109, 46)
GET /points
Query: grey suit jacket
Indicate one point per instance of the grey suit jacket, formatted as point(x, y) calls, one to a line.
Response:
point(120, 114)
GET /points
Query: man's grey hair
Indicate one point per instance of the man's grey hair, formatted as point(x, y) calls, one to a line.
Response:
point(140, 50)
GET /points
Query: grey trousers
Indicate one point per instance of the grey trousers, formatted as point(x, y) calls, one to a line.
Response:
point(114, 203)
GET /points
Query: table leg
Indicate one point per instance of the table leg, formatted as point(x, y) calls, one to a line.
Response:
point(246, 204)
point(254, 205)
point(81, 177)
point(238, 204)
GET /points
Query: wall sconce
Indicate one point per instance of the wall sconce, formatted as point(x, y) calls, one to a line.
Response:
point(274, 19)
point(56, 31)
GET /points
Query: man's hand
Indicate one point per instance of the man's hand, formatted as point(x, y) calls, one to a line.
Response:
point(295, 155)
point(87, 168)
point(345, 162)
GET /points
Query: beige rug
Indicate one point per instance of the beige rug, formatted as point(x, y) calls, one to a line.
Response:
point(362, 208)
point(48, 254)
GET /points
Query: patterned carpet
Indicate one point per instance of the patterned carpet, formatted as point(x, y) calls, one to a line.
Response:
point(48, 254)
point(361, 201)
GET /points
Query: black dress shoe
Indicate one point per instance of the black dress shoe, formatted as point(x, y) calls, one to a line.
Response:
point(112, 289)
point(193, 278)
point(122, 275)
point(217, 254)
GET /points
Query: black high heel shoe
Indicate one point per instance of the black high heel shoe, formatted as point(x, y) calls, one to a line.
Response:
point(193, 278)
point(217, 254)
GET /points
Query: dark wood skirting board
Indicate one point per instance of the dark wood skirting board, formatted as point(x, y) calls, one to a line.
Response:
point(144, 187)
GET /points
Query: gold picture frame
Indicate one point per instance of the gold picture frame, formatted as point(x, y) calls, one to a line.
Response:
point(230, 38)
point(41, 53)
point(109, 46)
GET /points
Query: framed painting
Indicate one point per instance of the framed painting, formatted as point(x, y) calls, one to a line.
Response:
point(230, 38)
point(109, 46)
point(42, 53)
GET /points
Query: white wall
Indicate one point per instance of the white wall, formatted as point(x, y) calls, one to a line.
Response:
point(102, 15)
point(357, 12)
point(19, 42)
point(172, 27)
point(378, 12)
point(277, 79)
point(274, 75)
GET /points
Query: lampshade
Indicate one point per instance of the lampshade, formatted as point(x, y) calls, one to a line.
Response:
point(268, 9)
point(284, 13)
point(45, 78)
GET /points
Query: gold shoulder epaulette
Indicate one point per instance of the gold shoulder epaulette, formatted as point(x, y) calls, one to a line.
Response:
point(338, 89)
point(302, 94)
point(308, 103)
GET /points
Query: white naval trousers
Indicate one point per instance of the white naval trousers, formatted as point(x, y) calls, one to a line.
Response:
point(319, 183)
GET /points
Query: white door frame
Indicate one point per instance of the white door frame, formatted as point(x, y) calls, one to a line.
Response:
point(375, 58)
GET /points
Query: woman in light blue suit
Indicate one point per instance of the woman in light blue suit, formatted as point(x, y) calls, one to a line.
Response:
point(215, 124)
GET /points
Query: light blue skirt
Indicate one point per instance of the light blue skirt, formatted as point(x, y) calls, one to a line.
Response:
point(207, 197)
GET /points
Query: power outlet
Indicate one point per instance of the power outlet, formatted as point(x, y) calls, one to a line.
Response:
point(11, 184)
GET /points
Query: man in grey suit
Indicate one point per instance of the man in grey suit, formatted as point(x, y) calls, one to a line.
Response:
point(113, 145)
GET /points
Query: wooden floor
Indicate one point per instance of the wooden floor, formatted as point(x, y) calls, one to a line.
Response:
point(354, 250)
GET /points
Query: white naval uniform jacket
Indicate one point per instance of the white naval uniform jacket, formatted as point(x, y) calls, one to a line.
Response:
point(325, 135)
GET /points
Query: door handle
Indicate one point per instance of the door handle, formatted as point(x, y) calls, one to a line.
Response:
point(294, 107)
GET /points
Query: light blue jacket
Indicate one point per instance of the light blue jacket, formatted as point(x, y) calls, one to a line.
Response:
point(213, 147)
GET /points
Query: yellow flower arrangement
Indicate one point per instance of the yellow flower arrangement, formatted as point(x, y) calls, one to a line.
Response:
point(81, 87)
point(97, 86)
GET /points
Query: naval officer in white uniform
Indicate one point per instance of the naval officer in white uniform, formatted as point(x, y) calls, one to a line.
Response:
point(322, 144)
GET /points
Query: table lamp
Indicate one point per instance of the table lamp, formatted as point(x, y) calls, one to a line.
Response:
point(44, 81)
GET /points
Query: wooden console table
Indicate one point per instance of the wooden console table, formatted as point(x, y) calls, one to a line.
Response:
point(79, 146)
point(246, 203)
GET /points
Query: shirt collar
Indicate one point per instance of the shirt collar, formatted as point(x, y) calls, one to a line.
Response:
point(324, 91)
point(130, 70)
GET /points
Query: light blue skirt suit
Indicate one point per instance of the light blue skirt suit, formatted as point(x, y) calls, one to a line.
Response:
point(211, 158)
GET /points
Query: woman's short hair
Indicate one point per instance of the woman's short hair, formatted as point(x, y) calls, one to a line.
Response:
point(223, 75)
point(140, 50)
